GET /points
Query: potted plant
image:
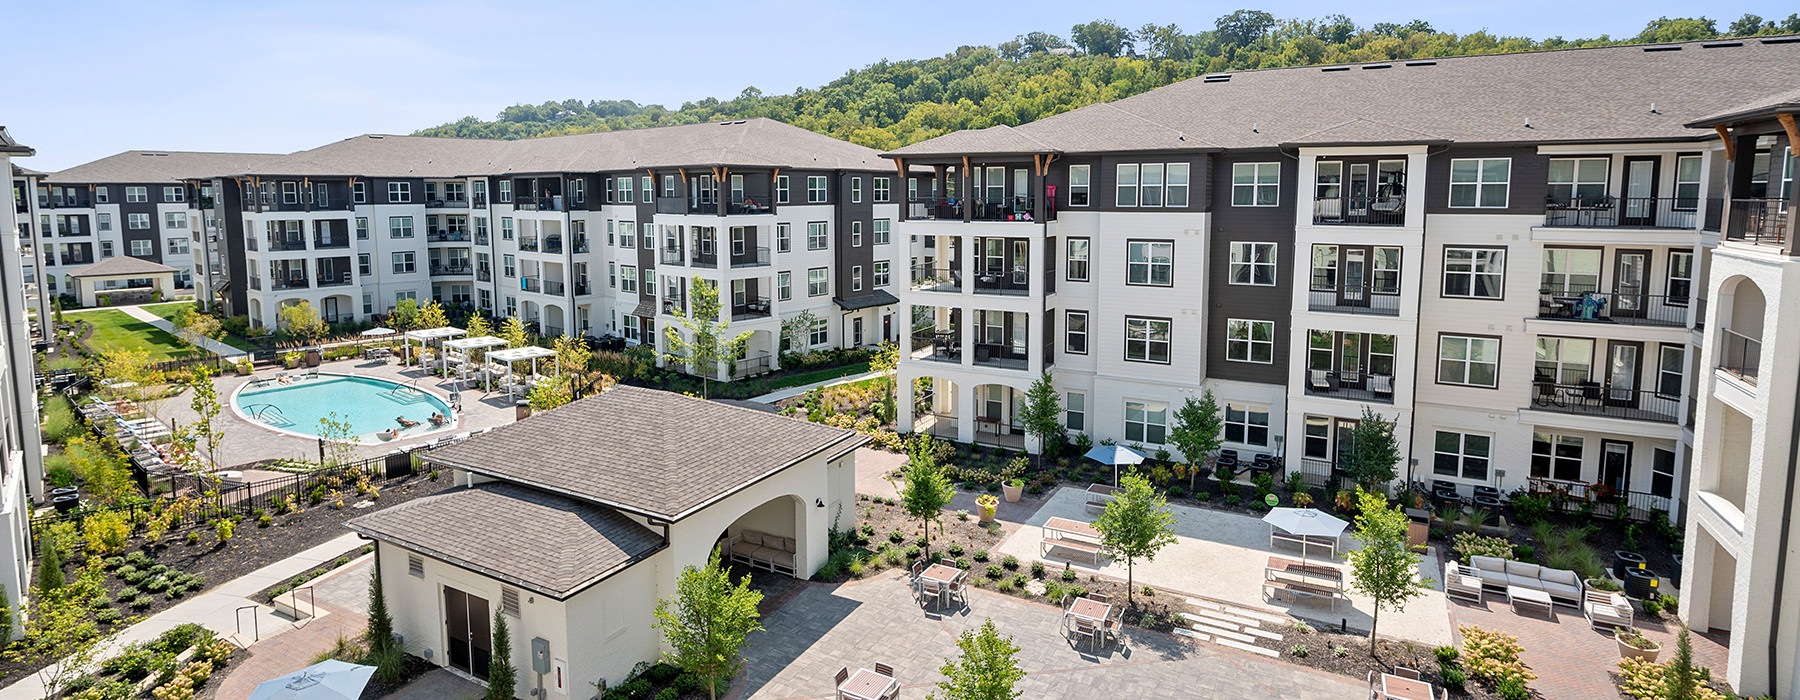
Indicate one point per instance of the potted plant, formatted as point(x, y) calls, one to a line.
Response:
point(1634, 645)
point(986, 504)
point(291, 359)
point(1602, 583)
point(1013, 490)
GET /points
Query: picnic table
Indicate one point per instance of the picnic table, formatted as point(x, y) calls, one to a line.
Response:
point(869, 685)
point(1071, 535)
point(1303, 579)
point(939, 578)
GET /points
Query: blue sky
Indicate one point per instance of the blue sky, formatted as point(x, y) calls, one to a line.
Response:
point(89, 79)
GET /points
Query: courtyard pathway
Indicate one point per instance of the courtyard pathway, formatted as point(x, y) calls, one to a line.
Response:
point(794, 391)
point(342, 599)
point(213, 346)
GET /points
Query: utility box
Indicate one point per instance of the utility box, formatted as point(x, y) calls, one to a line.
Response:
point(540, 655)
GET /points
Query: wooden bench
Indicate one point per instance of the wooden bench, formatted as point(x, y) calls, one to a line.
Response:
point(1329, 543)
point(1088, 548)
point(1302, 590)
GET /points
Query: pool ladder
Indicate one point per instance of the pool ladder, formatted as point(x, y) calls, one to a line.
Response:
point(268, 413)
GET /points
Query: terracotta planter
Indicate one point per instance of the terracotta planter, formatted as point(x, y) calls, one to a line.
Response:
point(985, 507)
point(1626, 651)
point(1012, 493)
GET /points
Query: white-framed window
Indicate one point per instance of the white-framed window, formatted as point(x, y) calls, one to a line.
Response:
point(399, 192)
point(1175, 185)
point(1075, 411)
point(1479, 183)
point(784, 238)
point(404, 262)
point(882, 230)
point(1146, 422)
point(649, 275)
point(622, 189)
point(290, 193)
point(1150, 263)
point(820, 333)
point(815, 189)
point(781, 189)
point(365, 264)
point(1147, 339)
point(856, 234)
point(106, 249)
point(1563, 360)
point(1250, 341)
point(362, 228)
point(1076, 261)
point(400, 227)
point(1075, 332)
point(627, 234)
point(359, 192)
point(818, 282)
point(1576, 180)
point(817, 235)
point(1671, 365)
point(142, 248)
point(1247, 425)
point(1556, 456)
point(509, 266)
point(647, 188)
point(1570, 271)
point(102, 195)
point(784, 286)
point(883, 273)
point(368, 302)
point(1680, 285)
point(1080, 177)
point(631, 328)
point(1253, 264)
point(178, 245)
point(1462, 455)
point(1687, 182)
point(103, 221)
point(174, 194)
point(137, 221)
point(503, 190)
point(578, 190)
point(1475, 273)
point(856, 190)
point(1126, 192)
point(1468, 361)
point(1150, 184)
point(135, 194)
point(1255, 184)
point(628, 279)
point(174, 219)
point(856, 278)
point(612, 275)
point(883, 189)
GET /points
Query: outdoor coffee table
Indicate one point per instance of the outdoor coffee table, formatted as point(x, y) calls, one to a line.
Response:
point(1529, 598)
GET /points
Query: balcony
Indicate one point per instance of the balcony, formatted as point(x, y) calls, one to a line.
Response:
point(1350, 386)
point(752, 257)
point(1758, 221)
point(582, 287)
point(1624, 212)
point(329, 242)
point(447, 204)
point(937, 346)
point(1740, 355)
point(1363, 301)
point(1605, 401)
point(66, 202)
point(706, 260)
point(287, 243)
point(753, 308)
point(484, 274)
point(672, 305)
point(329, 277)
point(528, 244)
point(291, 281)
point(936, 279)
point(553, 244)
point(953, 209)
point(1001, 355)
point(1571, 497)
point(447, 236)
point(581, 244)
point(531, 284)
point(555, 287)
point(673, 256)
point(1015, 284)
point(481, 239)
point(1613, 307)
point(545, 203)
point(1359, 211)
point(439, 269)
point(480, 201)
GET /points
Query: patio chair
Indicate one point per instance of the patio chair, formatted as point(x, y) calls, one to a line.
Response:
point(1109, 630)
point(843, 674)
point(1407, 673)
point(1100, 597)
point(1606, 609)
point(884, 669)
point(1085, 628)
point(1318, 380)
point(929, 588)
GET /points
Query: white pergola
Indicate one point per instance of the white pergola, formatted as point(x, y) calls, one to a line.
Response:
point(427, 336)
point(510, 356)
point(465, 346)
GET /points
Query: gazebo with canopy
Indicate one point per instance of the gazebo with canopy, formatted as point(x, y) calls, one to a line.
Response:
point(427, 336)
point(466, 346)
point(510, 356)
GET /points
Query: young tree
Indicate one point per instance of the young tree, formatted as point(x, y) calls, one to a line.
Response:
point(61, 626)
point(193, 325)
point(301, 322)
point(338, 438)
point(380, 634)
point(1136, 525)
point(1198, 432)
point(1679, 681)
point(49, 564)
point(1043, 414)
point(203, 430)
point(885, 360)
point(479, 325)
point(572, 355)
point(797, 332)
point(927, 490)
point(431, 315)
point(1373, 451)
point(705, 623)
point(512, 330)
point(987, 670)
point(1384, 568)
point(550, 393)
point(703, 339)
point(502, 676)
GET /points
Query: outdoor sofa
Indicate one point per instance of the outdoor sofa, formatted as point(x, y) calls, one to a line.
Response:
point(763, 551)
point(1564, 586)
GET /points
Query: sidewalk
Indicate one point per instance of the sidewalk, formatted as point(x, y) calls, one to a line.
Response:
point(216, 609)
point(213, 346)
point(794, 391)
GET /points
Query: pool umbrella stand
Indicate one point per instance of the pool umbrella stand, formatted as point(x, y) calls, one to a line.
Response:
point(330, 680)
point(1115, 455)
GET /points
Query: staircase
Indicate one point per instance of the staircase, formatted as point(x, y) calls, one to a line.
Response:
point(1231, 626)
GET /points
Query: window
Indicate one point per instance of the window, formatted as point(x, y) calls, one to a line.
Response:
point(1147, 339)
point(1462, 455)
point(1576, 180)
point(627, 234)
point(820, 333)
point(1078, 185)
point(1324, 267)
point(178, 245)
point(815, 189)
point(141, 248)
point(368, 300)
point(1662, 473)
point(174, 219)
point(784, 286)
point(650, 279)
point(1328, 181)
point(883, 276)
point(137, 194)
point(628, 279)
point(883, 189)
point(1150, 263)
point(1386, 275)
point(578, 190)
point(1250, 341)
point(1468, 361)
point(359, 193)
point(362, 228)
point(1681, 277)
point(1247, 425)
point(1570, 271)
point(622, 189)
point(818, 282)
point(404, 263)
point(856, 234)
point(503, 190)
point(399, 192)
point(103, 220)
point(856, 190)
point(816, 233)
point(855, 278)
point(1556, 457)
point(101, 195)
point(784, 238)
point(1127, 193)
point(1479, 182)
point(1475, 273)
point(1253, 264)
point(400, 227)
point(648, 187)
point(1670, 364)
point(781, 189)
point(106, 249)
point(1146, 422)
point(883, 232)
point(1563, 360)
point(1687, 182)
point(364, 265)
point(290, 193)
point(415, 565)
point(1255, 184)
point(1075, 332)
point(1177, 186)
point(136, 221)
point(1075, 408)
point(1077, 260)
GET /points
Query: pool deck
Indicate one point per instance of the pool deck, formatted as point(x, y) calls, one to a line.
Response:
point(248, 442)
point(304, 427)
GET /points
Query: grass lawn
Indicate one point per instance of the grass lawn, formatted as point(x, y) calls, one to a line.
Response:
point(170, 310)
point(114, 329)
point(819, 375)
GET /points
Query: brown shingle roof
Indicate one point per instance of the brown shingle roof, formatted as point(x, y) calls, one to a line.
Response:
point(121, 265)
point(651, 452)
point(1783, 102)
point(11, 147)
point(156, 166)
point(550, 544)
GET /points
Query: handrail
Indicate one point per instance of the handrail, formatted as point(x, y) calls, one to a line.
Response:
point(255, 625)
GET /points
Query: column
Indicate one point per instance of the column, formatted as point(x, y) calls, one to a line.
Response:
point(965, 410)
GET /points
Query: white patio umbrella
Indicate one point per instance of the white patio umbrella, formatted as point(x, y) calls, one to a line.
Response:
point(330, 680)
point(1306, 522)
point(1115, 455)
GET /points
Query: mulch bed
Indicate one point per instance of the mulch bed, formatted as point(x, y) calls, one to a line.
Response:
point(1348, 655)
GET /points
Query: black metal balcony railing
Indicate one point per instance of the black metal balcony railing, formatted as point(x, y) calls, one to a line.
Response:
point(287, 243)
point(674, 304)
point(448, 204)
point(1015, 283)
point(553, 244)
point(480, 201)
point(707, 260)
point(937, 345)
point(750, 366)
point(1624, 212)
point(447, 236)
point(555, 287)
point(256, 283)
point(582, 287)
point(755, 307)
point(481, 239)
point(543, 203)
point(531, 284)
point(977, 209)
point(333, 278)
point(1363, 300)
point(581, 244)
point(936, 279)
point(934, 208)
point(288, 282)
point(1605, 400)
point(1000, 355)
point(1353, 386)
point(671, 205)
point(1759, 221)
point(450, 268)
point(673, 256)
point(528, 244)
point(1359, 211)
point(750, 206)
point(1740, 355)
point(484, 274)
point(752, 257)
point(1572, 497)
point(328, 242)
point(1613, 307)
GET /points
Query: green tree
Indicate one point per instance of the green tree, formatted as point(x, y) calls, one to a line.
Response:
point(987, 670)
point(1748, 25)
point(61, 625)
point(479, 325)
point(431, 315)
point(885, 361)
point(1385, 569)
point(1136, 524)
point(405, 316)
point(203, 429)
point(338, 437)
point(707, 620)
point(703, 339)
point(502, 676)
point(301, 322)
point(1043, 415)
point(1102, 37)
point(927, 490)
point(572, 355)
point(1243, 27)
point(1679, 679)
point(379, 636)
point(1374, 453)
point(193, 326)
point(50, 562)
point(512, 330)
point(1664, 29)
point(1198, 432)
point(550, 393)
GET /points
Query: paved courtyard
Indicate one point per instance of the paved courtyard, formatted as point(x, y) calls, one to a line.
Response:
point(342, 602)
point(857, 624)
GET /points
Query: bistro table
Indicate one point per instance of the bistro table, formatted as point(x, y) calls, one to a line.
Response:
point(868, 685)
point(942, 576)
point(1396, 688)
point(1091, 610)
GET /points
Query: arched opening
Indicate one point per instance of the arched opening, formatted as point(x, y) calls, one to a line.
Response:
point(935, 407)
point(337, 308)
point(530, 314)
point(554, 324)
point(256, 313)
point(997, 409)
point(1742, 310)
point(759, 355)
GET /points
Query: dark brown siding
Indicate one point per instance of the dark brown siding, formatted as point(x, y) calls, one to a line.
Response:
point(845, 255)
point(1526, 190)
point(1227, 301)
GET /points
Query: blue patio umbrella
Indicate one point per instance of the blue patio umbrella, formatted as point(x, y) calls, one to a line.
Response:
point(1115, 455)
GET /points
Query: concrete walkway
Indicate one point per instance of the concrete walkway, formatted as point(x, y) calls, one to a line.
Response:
point(341, 604)
point(218, 609)
point(794, 391)
point(213, 346)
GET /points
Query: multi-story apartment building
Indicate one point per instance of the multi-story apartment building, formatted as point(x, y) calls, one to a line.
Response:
point(24, 189)
point(1510, 264)
point(21, 482)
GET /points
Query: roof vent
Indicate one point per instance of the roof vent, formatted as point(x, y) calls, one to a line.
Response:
point(1217, 78)
point(1378, 66)
point(1334, 69)
point(1782, 40)
point(377, 136)
point(1721, 44)
point(1649, 49)
point(1421, 63)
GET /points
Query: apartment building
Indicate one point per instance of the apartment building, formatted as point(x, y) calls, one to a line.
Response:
point(25, 214)
point(21, 482)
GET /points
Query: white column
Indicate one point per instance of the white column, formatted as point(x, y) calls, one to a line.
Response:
point(965, 411)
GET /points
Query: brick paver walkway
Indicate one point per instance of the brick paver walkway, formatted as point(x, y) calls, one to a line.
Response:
point(342, 600)
point(875, 620)
point(1573, 660)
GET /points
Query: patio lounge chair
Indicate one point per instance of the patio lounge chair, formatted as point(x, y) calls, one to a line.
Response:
point(1318, 380)
point(1606, 609)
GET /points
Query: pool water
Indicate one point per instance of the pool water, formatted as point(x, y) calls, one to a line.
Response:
point(369, 405)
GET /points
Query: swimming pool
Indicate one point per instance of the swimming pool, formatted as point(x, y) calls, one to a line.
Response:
point(369, 405)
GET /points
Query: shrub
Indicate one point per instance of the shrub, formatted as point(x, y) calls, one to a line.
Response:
point(1469, 544)
point(994, 571)
point(1020, 580)
point(142, 601)
point(896, 537)
point(1445, 654)
point(1037, 569)
point(1068, 575)
point(1513, 689)
point(1004, 587)
point(1297, 651)
point(955, 549)
point(1454, 677)
point(1493, 656)
point(1010, 562)
point(193, 537)
point(225, 529)
point(979, 555)
point(106, 532)
point(264, 520)
point(912, 552)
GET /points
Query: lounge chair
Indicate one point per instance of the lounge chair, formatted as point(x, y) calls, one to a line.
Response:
point(1606, 609)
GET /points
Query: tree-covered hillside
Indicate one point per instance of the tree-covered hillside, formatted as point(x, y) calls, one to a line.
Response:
point(894, 103)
